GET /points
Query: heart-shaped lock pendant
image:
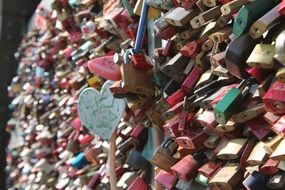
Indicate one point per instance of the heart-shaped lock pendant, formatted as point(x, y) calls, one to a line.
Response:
point(100, 112)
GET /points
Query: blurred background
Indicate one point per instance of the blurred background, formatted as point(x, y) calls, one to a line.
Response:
point(15, 17)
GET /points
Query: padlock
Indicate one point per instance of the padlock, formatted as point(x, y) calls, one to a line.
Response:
point(209, 169)
point(276, 181)
point(192, 139)
point(179, 16)
point(270, 167)
point(160, 24)
point(166, 179)
point(167, 33)
point(185, 168)
point(259, 128)
point(191, 80)
point(138, 133)
point(224, 109)
point(189, 34)
point(278, 126)
point(79, 161)
point(126, 145)
point(278, 153)
point(273, 99)
point(232, 150)
point(183, 116)
point(163, 156)
point(232, 6)
point(136, 160)
point(207, 119)
point(221, 35)
point(136, 81)
point(272, 143)
point(176, 109)
point(250, 13)
point(175, 65)
point(117, 88)
point(94, 182)
point(176, 97)
point(255, 180)
point(205, 17)
point(262, 56)
point(259, 27)
point(140, 62)
point(227, 177)
point(271, 118)
point(201, 5)
point(258, 155)
point(139, 184)
point(168, 49)
point(205, 78)
point(212, 141)
point(237, 53)
point(257, 73)
point(192, 48)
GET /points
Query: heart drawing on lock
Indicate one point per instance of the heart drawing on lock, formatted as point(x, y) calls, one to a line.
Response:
point(100, 112)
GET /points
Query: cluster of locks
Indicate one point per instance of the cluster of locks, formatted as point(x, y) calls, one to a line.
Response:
point(145, 94)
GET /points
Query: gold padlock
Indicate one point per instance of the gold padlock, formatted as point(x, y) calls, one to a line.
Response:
point(262, 56)
point(258, 155)
point(272, 144)
point(232, 150)
point(137, 81)
point(279, 152)
point(227, 177)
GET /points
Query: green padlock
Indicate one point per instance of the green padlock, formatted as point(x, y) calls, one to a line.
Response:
point(225, 109)
point(249, 13)
point(203, 180)
point(128, 7)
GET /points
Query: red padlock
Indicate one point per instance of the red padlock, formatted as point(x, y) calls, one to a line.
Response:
point(193, 139)
point(176, 97)
point(207, 119)
point(166, 179)
point(279, 126)
point(270, 167)
point(257, 73)
point(185, 168)
point(176, 109)
point(191, 49)
point(171, 128)
point(209, 169)
point(274, 99)
point(191, 80)
point(259, 127)
point(167, 33)
point(139, 184)
point(140, 62)
point(168, 50)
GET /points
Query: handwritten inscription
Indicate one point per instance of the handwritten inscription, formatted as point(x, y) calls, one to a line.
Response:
point(100, 112)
